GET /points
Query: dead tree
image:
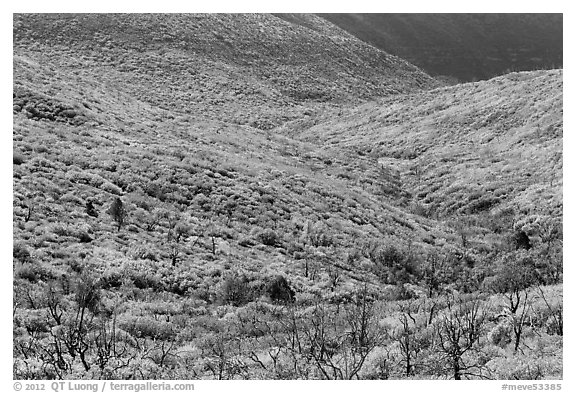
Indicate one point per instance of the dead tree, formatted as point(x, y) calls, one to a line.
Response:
point(458, 330)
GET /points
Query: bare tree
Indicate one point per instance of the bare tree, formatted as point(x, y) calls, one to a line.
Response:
point(556, 313)
point(112, 351)
point(519, 318)
point(219, 354)
point(410, 341)
point(458, 329)
point(174, 253)
point(335, 341)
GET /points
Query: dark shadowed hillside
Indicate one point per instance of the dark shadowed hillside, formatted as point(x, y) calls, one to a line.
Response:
point(464, 46)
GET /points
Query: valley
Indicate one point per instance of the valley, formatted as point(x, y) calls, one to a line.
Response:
point(262, 197)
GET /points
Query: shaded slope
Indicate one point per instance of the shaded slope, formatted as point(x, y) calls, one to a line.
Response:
point(463, 46)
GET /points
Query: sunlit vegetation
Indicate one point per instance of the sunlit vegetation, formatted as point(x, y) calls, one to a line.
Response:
point(156, 240)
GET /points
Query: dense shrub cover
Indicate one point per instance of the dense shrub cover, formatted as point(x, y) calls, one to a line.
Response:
point(168, 230)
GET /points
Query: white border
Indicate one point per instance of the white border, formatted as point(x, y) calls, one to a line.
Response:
point(381, 6)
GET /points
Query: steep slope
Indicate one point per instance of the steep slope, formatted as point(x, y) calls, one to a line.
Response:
point(467, 149)
point(77, 140)
point(465, 47)
point(156, 237)
point(247, 68)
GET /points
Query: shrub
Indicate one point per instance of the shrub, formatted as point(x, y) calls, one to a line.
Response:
point(399, 292)
point(111, 188)
point(513, 274)
point(279, 290)
point(112, 279)
point(393, 265)
point(118, 212)
point(82, 177)
point(18, 159)
point(521, 240)
point(501, 334)
point(90, 209)
point(143, 279)
point(33, 273)
point(525, 368)
point(268, 237)
point(236, 291)
point(246, 242)
point(87, 292)
point(41, 149)
point(145, 326)
point(84, 237)
point(21, 254)
point(69, 113)
point(71, 198)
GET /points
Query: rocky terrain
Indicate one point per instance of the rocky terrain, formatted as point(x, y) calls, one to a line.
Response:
point(252, 196)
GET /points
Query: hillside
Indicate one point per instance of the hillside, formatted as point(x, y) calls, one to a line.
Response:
point(465, 47)
point(216, 175)
point(480, 147)
point(246, 68)
point(160, 234)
